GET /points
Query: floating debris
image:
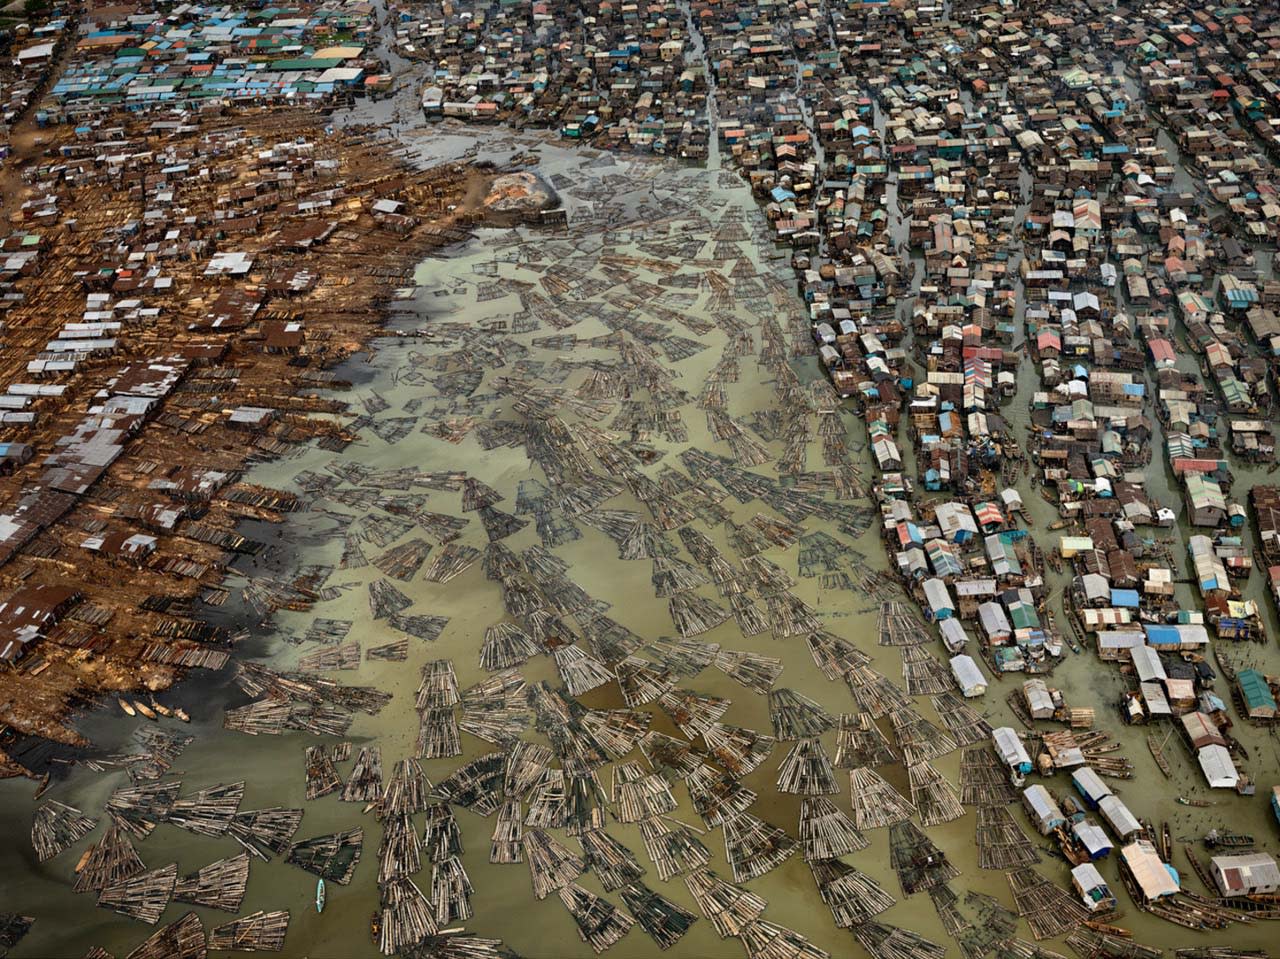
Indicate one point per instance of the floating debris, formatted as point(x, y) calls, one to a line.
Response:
point(257, 932)
point(875, 802)
point(219, 885)
point(143, 896)
point(56, 827)
point(754, 847)
point(826, 832)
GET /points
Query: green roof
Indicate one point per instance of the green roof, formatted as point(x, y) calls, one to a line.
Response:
point(1256, 692)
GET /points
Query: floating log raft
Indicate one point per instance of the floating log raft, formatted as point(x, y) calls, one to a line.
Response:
point(688, 657)
point(442, 837)
point(183, 939)
point(507, 845)
point(111, 860)
point(826, 832)
point(694, 614)
point(403, 561)
point(268, 717)
point(616, 730)
point(962, 722)
point(791, 616)
point(265, 832)
point(757, 673)
point(332, 857)
point(525, 766)
point(900, 625)
point(662, 919)
point(476, 785)
point(737, 749)
point(406, 916)
point(327, 632)
point(919, 739)
point(795, 716)
point(439, 686)
point(852, 896)
point(859, 742)
point(1001, 842)
point(208, 812)
point(400, 852)
point(438, 735)
point(506, 645)
point(642, 682)
point(693, 713)
point(580, 671)
point(875, 802)
point(451, 891)
point(1048, 908)
point(672, 850)
point(670, 576)
point(600, 923)
point(728, 907)
point(754, 846)
point(933, 796)
point(423, 627)
point(923, 674)
point(476, 495)
point(365, 783)
point(716, 795)
point(551, 865)
point(807, 771)
point(833, 655)
point(322, 776)
point(498, 525)
point(56, 827)
point(452, 560)
point(645, 541)
point(385, 599)
point(639, 794)
point(984, 781)
point(346, 656)
point(612, 862)
point(257, 932)
point(883, 941)
point(14, 928)
point(393, 652)
point(765, 940)
point(143, 896)
point(874, 692)
point(1090, 944)
point(919, 863)
point(219, 885)
point(749, 617)
point(138, 808)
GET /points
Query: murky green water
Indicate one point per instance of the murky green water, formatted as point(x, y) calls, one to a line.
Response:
point(624, 208)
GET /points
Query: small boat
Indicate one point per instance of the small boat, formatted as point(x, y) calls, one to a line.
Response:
point(162, 710)
point(1215, 838)
point(124, 704)
point(181, 714)
point(1060, 524)
point(1199, 803)
point(375, 926)
point(319, 895)
point(1157, 753)
point(84, 859)
point(144, 709)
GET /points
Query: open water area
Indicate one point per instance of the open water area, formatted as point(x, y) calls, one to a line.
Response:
point(595, 378)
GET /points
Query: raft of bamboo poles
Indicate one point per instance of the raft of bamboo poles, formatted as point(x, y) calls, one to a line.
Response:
point(182, 939)
point(438, 734)
point(552, 866)
point(753, 846)
point(332, 857)
point(923, 674)
point(984, 780)
point(795, 716)
point(1001, 842)
point(737, 749)
point(918, 738)
point(693, 713)
point(579, 671)
point(716, 795)
point(662, 919)
point(451, 891)
point(852, 896)
point(265, 832)
point(406, 916)
point(673, 848)
point(875, 693)
point(613, 864)
point(933, 795)
point(385, 599)
point(138, 809)
point(506, 645)
point(600, 923)
point(642, 682)
point(441, 837)
point(756, 672)
point(833, 655)
point(345, 656)
point(961, 720)
point(507, 845)
point(764, 940)
point(322, 776)
point(400, 851)
point(807, 771)
point(638, 794)
point(883, 941)
point(453, 560)
point(919, 863)
point(112, 859)
point(208, 812)
point(859, 742)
